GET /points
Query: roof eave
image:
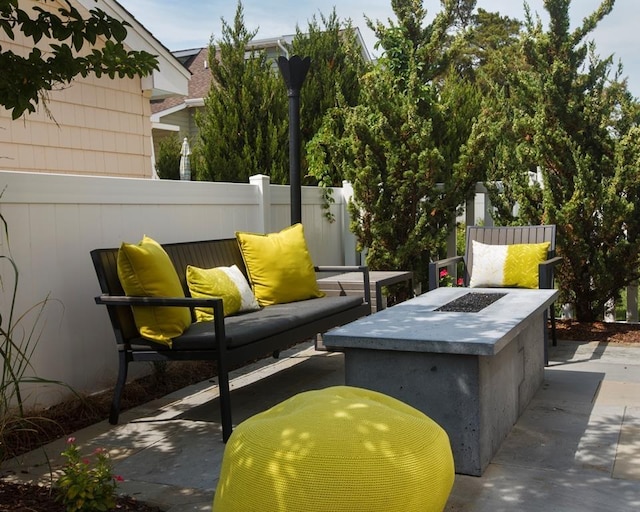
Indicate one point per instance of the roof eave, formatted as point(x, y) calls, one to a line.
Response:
point(172, 78)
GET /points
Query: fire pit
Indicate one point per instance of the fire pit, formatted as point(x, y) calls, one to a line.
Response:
point(471, 302)
point(472, 369)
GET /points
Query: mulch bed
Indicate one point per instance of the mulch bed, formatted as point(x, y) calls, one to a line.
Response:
point(613, 332)
point(35, 498)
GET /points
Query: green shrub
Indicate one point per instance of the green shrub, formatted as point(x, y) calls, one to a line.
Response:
point(168, 157)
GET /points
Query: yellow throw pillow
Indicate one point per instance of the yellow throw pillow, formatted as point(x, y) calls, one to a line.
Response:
point(508, 266)
point(228, 283)
point(145, 270)
point(279, 266)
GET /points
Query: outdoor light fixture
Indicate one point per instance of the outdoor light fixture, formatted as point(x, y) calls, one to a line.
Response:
point(294, 71)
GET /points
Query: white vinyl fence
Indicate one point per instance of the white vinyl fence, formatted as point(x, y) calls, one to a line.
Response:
point(55, 220)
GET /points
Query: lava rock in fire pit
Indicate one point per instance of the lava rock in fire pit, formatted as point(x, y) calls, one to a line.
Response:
point(471, 302)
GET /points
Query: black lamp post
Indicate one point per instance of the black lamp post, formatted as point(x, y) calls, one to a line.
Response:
point(294, 71)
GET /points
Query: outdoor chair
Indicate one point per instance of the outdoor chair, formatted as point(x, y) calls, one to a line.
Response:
point(505, 236)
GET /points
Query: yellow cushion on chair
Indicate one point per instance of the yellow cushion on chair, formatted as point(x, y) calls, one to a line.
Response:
point(340, 449)
point(279, 266)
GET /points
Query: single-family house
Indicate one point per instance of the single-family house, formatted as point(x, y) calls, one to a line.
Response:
point(176, 115)
point(98, 126)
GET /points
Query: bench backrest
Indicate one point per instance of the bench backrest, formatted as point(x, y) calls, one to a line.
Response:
point(203, 254)
point(508, 235)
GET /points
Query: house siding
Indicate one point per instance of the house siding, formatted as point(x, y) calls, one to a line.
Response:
point(96, 127)
point(184, 120)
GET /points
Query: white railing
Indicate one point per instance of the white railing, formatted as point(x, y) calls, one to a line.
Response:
point(55, 220)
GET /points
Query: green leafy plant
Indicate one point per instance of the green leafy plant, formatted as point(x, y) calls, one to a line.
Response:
point(168, 158)
point(87, 483)
point(65, 56)
point(446, 279)
point(19, 336)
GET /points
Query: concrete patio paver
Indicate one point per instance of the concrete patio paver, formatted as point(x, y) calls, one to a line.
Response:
point(575, 448)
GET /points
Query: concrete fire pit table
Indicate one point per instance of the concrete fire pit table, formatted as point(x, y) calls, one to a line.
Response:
point(473, 372)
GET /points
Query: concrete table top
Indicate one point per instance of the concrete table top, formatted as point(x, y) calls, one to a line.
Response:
point(414, 326)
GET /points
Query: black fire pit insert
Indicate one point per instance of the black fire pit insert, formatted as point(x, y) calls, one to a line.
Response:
point(471, 302)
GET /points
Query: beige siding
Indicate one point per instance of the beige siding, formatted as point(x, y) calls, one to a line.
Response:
point(180, 119)
point(97, 127)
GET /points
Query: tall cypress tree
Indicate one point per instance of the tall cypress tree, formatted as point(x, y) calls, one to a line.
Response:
point(337, 63)
point(565, 113)
point(402, 140)
point(243, 127)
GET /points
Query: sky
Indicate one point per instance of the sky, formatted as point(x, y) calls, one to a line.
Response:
point(181, 25)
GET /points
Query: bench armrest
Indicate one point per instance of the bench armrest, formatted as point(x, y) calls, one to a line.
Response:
point(356, 268)
point(188, 302)
point(434, 269)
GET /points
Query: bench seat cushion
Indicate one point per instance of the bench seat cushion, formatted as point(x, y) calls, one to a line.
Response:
point(255, 325)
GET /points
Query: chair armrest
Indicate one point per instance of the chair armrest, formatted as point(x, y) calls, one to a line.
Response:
point(357, 268)
point(545, 272)
point(434, 269)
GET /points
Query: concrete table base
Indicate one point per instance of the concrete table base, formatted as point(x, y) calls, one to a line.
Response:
point(475, 390)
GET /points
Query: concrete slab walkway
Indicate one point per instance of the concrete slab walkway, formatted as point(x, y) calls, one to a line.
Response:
point(576, 447)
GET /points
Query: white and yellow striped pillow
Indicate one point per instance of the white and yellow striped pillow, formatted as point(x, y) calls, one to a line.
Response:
point(227, 283)
point(507, 266)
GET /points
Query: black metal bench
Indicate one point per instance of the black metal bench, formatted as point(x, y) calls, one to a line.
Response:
point(230, 341)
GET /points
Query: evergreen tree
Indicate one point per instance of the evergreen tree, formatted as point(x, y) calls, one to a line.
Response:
point(564, 114)
point(244, 125)
point(168, 157)
point(337, 63)
point(243, 128)
point(402, 140)
point(488, 47)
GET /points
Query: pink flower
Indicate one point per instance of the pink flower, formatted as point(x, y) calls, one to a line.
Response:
point(460, 282)
point(99, 451)
point(118, 478)
point(443, 273)
point(71, 440)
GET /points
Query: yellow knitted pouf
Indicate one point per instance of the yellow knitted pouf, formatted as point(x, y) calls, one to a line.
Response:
point(340, 449)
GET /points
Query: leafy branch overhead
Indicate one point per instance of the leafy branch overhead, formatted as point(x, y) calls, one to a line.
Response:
point(66, 45)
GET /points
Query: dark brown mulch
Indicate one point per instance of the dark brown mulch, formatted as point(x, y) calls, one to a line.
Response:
point(59, 421)
point(35, 498)
point(598, 331)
